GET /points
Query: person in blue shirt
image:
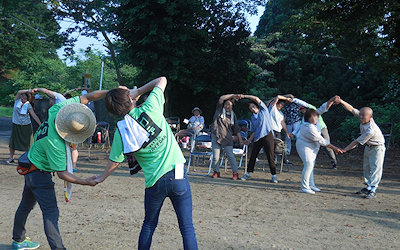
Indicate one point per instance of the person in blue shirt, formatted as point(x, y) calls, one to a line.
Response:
point(263, 136)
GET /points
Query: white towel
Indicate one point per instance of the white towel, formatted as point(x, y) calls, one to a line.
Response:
point(24, 107)
point(223, 115)
point(70, 169)
point(133, 135)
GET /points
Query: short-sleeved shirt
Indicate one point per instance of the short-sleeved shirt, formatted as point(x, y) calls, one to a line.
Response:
point(292, 114)
point(18, 118)
point(223, 128)
point(261, 122)
point(371, 134)
point(48, 150)
point(59, 97)
point(276, 118)
point(162, 152)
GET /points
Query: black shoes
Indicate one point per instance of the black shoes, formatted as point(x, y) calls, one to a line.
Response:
point(363, 191)
point(334, 166)
point(370, 195)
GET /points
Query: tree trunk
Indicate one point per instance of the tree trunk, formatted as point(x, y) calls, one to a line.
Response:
point(110, 46)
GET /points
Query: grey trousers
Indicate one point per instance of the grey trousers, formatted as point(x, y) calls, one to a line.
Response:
point(329, 151)
point(373, 164)
point(216, 148)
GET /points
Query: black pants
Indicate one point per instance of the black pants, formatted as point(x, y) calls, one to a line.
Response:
point(267, 142)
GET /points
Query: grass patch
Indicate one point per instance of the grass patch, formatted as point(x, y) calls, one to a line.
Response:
point(6, 111)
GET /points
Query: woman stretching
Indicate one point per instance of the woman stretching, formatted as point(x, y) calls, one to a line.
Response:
point(21, 133)
point(308, 142)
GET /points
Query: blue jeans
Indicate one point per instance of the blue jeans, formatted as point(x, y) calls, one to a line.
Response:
point(181, 197)
point(39, 187)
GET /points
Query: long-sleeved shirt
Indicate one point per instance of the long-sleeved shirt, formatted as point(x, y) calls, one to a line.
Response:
point(310, 134)
point(371, 134)
point(322, 109)
point(222, 127)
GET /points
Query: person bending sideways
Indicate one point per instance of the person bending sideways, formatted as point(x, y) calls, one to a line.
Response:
point(321, 126)
point(374, 151)
point(223, 128)
point(308, 142)
point(263, 136)
point(145, 133)
point(69, 122)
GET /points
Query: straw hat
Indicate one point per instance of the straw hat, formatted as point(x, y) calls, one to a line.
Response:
point(196, 108)
point(75, 123)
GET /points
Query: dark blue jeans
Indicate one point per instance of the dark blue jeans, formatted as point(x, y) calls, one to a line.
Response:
point(39, 187)
point(181, 197)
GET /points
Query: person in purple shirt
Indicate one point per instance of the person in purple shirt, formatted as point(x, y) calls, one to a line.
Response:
point(263, 136)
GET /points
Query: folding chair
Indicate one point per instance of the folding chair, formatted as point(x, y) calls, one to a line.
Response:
point(104, 129)
point(387, 129)
point(241, 152)
point(280, 150)
point(201, 146)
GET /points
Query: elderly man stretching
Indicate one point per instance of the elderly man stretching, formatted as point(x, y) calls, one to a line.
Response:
point(374, 152)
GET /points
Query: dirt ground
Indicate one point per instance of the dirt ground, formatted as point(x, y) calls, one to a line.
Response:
point(253, 214)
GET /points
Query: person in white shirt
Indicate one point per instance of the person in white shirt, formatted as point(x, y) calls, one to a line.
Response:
point(308, 143)
point(277, 118)
point(374, 151)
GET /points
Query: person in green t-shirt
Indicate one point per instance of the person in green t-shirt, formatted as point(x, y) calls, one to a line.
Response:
point(69, 122)
point(157, 152)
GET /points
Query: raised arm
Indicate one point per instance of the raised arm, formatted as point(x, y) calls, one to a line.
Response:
point(348, 107)
point(93, 96)
point(23, 91)
point(160, 82)
point(252, 98)
point(45, 91)
point(75, 89)
point(302, 103)
point(230, 96)
point(280, 97)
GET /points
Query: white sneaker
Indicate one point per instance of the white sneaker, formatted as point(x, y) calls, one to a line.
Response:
point(307, 191)
point(314, 188)
point(246, 176)
point(274, 179)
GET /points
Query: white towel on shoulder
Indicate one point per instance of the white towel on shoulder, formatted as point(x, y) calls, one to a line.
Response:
point(132, 133)
point(24, 107)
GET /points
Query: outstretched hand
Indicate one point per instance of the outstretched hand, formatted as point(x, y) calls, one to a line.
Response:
point(337, 99)
point(238, 97)
point(91, 181)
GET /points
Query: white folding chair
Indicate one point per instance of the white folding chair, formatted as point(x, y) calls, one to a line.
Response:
point(241, 152)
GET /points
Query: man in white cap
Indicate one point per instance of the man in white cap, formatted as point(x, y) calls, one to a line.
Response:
point(374, 151)
point(69, 122)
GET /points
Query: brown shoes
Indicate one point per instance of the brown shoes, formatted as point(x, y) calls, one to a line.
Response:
point(235, 176)
point(216, 174)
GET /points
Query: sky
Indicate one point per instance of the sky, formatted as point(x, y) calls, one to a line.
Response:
point(84, 42)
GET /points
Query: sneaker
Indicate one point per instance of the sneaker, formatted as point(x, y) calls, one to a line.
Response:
point(286, 161)
point(235, 176)
point(314, 188)
point(334, 166)
point(26, 244)
point(10, 160)
point(363, 191)
point(274, 179)
point(370, 195)
point(216, 174)
point(307, 191)
point(246, 176)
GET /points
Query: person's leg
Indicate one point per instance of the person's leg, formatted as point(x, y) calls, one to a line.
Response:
point(268, 144)
point(253, 156)
point(153, 200)
point(216, 148)
point(231, 158)
point(21, 215)
point(306, 173)
point(376, 160)
point(331, 154)
point(366, 166)
point(43, 190)
point(74, 156)
point(288, 140)
point(181, 198)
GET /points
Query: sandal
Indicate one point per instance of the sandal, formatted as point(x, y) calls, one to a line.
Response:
point(10, 160)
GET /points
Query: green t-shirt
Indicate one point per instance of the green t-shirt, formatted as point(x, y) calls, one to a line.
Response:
point(162, 152)
point(48, 150)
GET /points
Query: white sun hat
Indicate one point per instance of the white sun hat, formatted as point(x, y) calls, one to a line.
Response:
point(75, 123)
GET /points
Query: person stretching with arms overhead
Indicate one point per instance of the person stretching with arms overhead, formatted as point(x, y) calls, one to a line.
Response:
point(145, 133)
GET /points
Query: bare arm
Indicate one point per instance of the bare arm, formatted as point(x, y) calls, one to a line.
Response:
point(351, 146)
point(160, 82)
point(34, 116)
point(250, 139)
point(75, 89)
point(93, 96)
point(20, 92)
point(280, 97)
point(336, 149)
point(111, 166)
point(331, 101)
point(252, 98)
point(46, 92)
point(230, 96)
point(64, 175)
point(285, 128)
point(347, 106)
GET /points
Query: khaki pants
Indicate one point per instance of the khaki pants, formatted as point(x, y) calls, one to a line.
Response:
point(373, 164)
